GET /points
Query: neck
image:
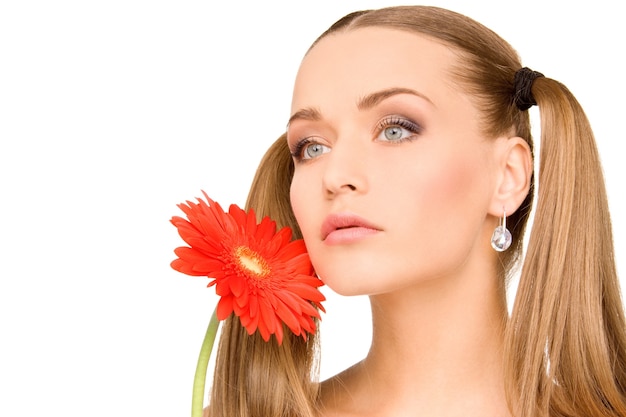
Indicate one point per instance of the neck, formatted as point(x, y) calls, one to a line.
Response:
point(431, 333)
point(437, 349)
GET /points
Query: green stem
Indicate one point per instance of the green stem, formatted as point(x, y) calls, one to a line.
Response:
point(197, 399)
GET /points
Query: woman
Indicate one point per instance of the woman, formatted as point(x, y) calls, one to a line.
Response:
point(407, 161)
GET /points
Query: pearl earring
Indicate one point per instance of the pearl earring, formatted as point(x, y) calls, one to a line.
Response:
point(501, 238)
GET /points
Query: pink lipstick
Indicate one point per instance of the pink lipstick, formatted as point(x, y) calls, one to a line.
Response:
point(343, 228)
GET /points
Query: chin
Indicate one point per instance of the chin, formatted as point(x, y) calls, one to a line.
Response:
point(340, 285)
point(351, 285)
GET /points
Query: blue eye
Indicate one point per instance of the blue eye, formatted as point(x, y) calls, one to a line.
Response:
point(307, 149)
point(394, 133)
point(313, 150)
point(396, 129)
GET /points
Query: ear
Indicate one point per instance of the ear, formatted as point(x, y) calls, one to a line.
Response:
point(514, 176)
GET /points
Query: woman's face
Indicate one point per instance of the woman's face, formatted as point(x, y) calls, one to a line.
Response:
point(393, 177)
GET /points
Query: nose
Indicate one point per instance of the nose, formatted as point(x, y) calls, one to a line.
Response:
point(345, 169)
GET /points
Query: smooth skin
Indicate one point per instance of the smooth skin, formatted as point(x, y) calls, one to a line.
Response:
point(383, 134)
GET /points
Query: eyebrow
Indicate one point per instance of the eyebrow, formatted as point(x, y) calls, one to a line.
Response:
point(364, 103)
point(373, 99)
point(308, 113)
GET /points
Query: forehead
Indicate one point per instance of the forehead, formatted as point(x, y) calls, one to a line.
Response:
point(359, 61)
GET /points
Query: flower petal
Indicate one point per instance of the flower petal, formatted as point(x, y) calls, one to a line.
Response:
point(224, 308)
point(287, 316)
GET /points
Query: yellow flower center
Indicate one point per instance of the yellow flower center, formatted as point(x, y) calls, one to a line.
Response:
point(252, 262)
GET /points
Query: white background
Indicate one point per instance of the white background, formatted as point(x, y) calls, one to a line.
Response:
point(112, 112)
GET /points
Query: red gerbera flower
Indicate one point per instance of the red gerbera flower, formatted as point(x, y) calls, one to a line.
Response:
point(261, 275)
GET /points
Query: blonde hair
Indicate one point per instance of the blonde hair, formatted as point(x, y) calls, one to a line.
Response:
point(565, 341)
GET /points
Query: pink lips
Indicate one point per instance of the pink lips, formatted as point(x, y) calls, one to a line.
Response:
point(346, 228)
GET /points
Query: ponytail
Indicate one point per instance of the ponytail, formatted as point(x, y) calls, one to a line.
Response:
point(566, 349)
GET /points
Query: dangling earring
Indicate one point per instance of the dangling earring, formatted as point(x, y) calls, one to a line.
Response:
point(501, 238)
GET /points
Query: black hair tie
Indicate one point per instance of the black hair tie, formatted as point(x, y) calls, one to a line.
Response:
point(523, 97)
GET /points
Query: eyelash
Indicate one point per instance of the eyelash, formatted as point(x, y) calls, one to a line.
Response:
point(296, 152)
point(400, 122)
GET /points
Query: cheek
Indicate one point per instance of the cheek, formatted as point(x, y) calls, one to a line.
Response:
point(448, 203)
point(295, 197)
point(453, 181)
point(300, 195)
